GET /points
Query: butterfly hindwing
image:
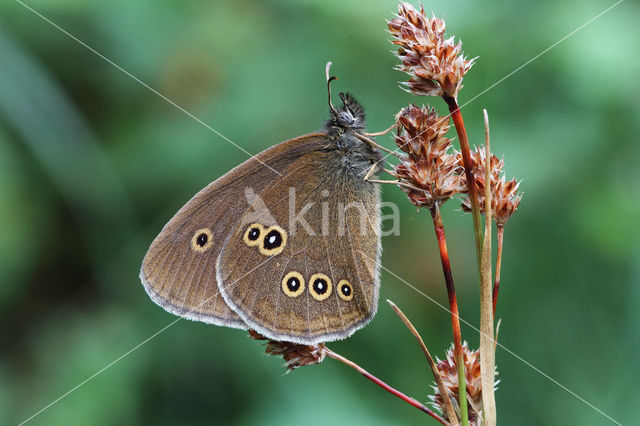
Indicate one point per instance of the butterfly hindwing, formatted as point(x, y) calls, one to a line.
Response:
point(311, 275)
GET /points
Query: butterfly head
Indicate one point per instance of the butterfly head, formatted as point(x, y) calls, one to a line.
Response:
point(350, 116)
point(342, 126)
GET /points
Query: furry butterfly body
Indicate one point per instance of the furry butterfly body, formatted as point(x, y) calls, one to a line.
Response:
point(287, 243)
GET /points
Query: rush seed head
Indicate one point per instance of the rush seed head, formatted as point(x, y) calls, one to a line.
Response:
point(430, 175)
point(435, 64)
point(449, 375)
point(505, 197)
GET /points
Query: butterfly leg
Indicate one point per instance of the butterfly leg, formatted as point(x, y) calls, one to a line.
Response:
point(374, 144)
point(384, 132)
point(398, 182)
point(372, 169)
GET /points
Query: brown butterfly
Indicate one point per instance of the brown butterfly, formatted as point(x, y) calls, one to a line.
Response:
point(287, 243)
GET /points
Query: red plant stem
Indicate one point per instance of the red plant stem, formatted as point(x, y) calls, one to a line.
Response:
point(448, 278)
point(456, 115)
point(453, 306)
point(383, 385)
point(496, 285)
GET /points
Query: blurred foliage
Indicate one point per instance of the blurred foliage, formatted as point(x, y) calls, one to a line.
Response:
point(92, 164)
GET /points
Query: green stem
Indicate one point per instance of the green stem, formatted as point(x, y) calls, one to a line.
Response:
point(487, 342)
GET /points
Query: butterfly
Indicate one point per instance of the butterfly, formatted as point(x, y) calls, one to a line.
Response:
point(287, 243)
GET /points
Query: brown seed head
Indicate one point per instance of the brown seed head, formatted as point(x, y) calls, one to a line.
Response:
point(431, 174)
point(449, 375)
point(507, 200)
point(505, 197)
point(295, 355)
point(435, 63)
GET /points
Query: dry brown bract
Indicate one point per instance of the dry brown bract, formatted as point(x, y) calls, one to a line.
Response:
point(449, 375)
point(504, 194)
point(436, 64)
point(431, 174)
point(294, 355)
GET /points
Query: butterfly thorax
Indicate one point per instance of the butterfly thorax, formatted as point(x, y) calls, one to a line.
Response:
point(343, 122)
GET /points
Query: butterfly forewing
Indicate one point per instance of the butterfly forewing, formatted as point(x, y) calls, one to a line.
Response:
point(179, 269)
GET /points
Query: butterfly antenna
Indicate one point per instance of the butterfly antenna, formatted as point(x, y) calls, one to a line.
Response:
point(329, 80)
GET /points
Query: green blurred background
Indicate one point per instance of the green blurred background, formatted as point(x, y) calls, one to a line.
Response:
point(92, 164)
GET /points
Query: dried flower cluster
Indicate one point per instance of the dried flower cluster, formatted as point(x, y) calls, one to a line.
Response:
point(449, 376)
point(431, 172)
point(294, 355)
point(504, 194)
point(430, 175)
point(435, 63)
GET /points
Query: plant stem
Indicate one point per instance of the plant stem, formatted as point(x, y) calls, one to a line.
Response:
point(456, 115)
point(450, 411)
point(487, 343)
point(496, 285)
point(453, 307)
point(383, 385)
